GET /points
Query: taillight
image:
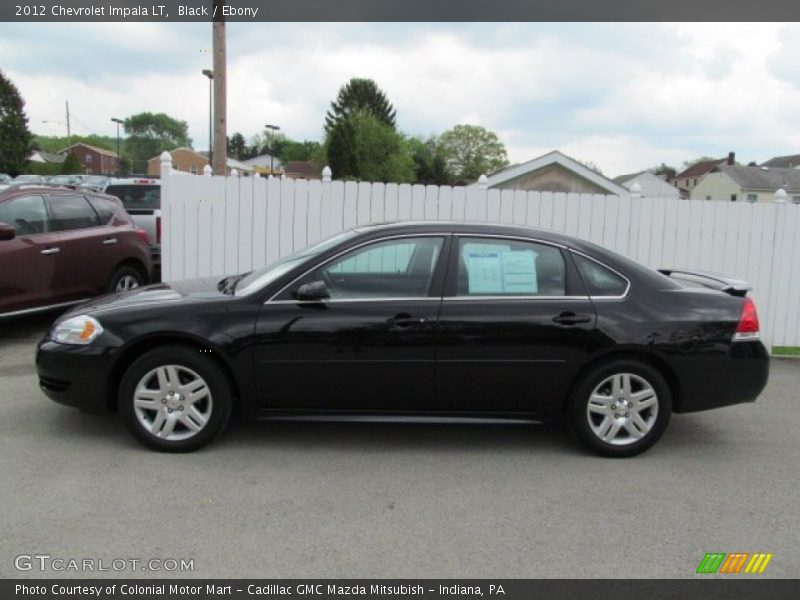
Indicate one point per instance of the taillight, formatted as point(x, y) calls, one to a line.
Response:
point(748, 327)
point(143, 235)
point(158, 230)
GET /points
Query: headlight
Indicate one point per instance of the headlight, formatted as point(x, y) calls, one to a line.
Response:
point(82, 329)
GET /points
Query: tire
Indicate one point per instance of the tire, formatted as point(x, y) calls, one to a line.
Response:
point(155, 399)
point(613, 422)
point(125, 278)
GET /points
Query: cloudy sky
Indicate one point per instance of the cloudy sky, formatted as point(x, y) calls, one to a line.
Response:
point(624, 96)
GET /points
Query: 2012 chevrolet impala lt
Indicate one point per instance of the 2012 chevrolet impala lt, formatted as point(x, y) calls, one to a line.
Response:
point(434, 321)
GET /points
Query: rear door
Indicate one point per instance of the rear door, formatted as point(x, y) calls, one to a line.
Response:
point(85, 260)
point(28, 262)
point(515, 321)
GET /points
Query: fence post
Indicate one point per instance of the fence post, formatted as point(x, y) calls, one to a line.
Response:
point(207, 170)
point(780, 196)
point(483, 182)
point(166, 164)
point(166, 216)
point(327, 174)
point(636, 190)
point(234, 173)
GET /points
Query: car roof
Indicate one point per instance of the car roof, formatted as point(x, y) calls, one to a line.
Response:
point(464, 227)
point(134, 181)
point(22, 190)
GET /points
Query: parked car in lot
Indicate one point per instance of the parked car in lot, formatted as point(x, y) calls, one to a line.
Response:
point(59, 247)
point(94, 183)
point(416, 321)
point(65, 180)
point(4, 178)
point(28, 180)
point(141, 197)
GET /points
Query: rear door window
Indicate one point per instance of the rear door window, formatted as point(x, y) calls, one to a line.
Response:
point(499, 267)
point(26, 214)
point(71, 212)
point(137, 197)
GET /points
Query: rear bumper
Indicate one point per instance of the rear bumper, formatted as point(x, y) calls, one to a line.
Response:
point(74, 375)
point(722, 380)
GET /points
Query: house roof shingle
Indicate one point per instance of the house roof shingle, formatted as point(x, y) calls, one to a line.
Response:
point(762, 179)
point(789, 161)
point(699, 169)
point(95, 148)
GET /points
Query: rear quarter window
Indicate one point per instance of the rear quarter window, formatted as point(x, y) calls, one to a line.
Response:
point(105, 208)
point(600, 280)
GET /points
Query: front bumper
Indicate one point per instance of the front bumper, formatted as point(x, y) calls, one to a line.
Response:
point(75, 375)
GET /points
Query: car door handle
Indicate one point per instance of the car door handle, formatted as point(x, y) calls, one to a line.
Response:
point(405, 320)
point(570, 318)
point(108, 241)
point(51, 251)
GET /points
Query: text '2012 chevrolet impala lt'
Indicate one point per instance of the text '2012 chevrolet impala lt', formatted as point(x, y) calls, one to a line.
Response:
point(416, 321)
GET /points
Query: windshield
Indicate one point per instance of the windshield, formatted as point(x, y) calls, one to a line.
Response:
point(258, 279)
point(137, 197)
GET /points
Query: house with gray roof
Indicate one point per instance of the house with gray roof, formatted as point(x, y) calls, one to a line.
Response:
point(791, 161)
point(739, 183)
point(649, 185)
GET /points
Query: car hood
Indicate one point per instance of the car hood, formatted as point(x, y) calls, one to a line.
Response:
point(159, 294)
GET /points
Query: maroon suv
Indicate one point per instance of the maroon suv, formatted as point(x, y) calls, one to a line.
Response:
point(59, 247)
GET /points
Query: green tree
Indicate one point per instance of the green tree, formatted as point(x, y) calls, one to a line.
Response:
point(665, 171)
point(471, 151)
point(289, 150)
point(430, 164)
point(15, 138)
point(359, 95)
point(55, 143)
point(71, 165)
point(237, 147)
point(149, 134)
point(364, 148)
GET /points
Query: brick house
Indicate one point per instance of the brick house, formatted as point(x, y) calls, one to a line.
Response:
point(94, 160)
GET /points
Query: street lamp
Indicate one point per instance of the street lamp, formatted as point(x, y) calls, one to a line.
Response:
point(273, 129)
point(210, 74)
point(118, 122)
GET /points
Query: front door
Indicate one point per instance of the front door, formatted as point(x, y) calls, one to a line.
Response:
point(514, 323)
point(370, 345)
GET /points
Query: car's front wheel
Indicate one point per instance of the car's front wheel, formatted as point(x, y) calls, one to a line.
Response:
point(175, 399)
point(620, 408)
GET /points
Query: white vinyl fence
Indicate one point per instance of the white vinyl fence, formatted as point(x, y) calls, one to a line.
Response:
point(224, 225)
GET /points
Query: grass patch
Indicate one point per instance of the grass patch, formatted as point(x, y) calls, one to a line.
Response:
point(786, 350)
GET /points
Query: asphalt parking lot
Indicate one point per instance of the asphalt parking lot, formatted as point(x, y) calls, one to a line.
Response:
point(367, 500)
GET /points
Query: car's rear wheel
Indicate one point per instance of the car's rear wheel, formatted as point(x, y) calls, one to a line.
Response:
point(175, 399)
point(125, 278)
point(620, 408)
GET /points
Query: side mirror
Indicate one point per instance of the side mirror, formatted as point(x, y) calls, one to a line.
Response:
point(7, 232)
point(313, 291)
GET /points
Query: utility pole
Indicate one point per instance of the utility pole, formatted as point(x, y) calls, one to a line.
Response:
point(210, 74)
point(118, 122)
point(69, 133)
point(220, 153)
point(272, 130)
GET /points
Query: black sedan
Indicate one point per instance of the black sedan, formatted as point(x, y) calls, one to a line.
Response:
point(432, 321)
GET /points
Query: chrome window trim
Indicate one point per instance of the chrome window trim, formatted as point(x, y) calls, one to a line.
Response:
point(272, 300)
point(613, 270)
point(501, 298)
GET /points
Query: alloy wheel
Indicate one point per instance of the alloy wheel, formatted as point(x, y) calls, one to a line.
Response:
point(127, 282)
point(622, 409)
point(172, 402)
